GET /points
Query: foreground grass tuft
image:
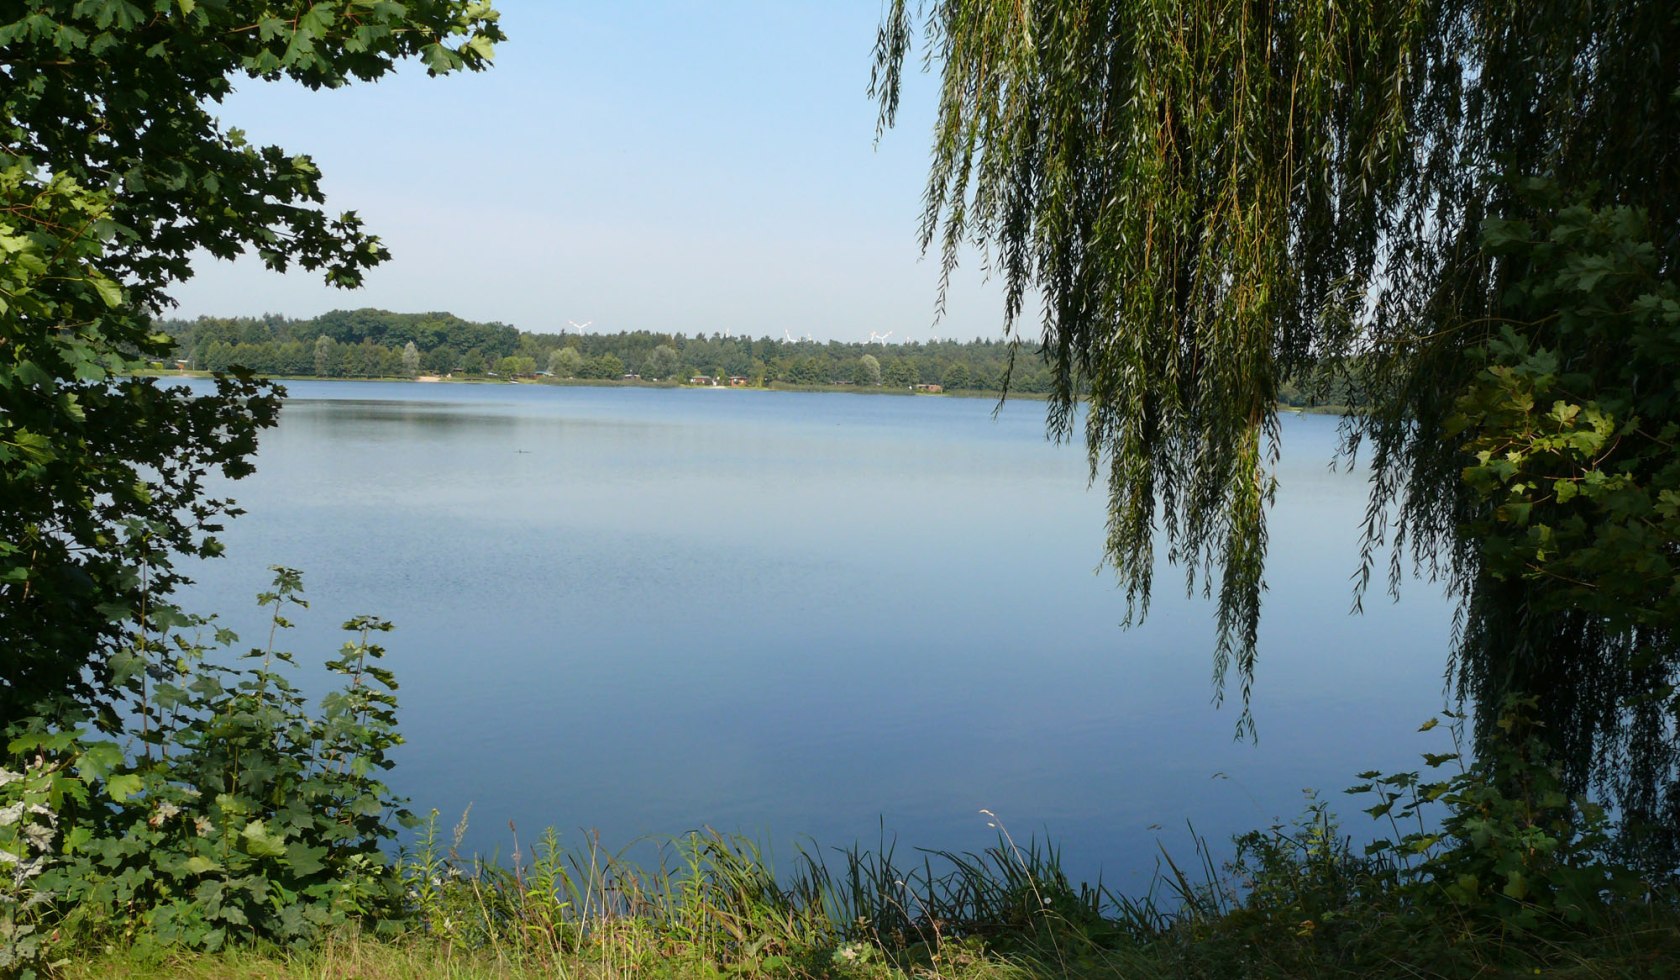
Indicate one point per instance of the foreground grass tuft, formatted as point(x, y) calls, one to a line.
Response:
point(1295, 903)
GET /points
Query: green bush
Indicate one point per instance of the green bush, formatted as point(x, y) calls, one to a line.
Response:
point(1512, 848)
point(241, 814)
point(1493, 866)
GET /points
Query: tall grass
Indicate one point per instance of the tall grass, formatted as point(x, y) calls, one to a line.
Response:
point(719, 898)
point(1297, 901)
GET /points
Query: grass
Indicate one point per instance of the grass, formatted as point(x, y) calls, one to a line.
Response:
point(712, 905)
point(1633, 950)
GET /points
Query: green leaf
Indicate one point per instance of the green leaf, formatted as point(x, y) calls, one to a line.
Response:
point(260, 843)
point(481, 46)
point(1516, 886)
point(30, 373)
point(304, 861)
point(1499, 233)
point(122, 787)
point(198, 864)
point(109, 291)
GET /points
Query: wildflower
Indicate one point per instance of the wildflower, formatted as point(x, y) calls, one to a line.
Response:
point(851, 953)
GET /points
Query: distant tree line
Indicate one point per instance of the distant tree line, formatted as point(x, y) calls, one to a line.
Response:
point(371, 343)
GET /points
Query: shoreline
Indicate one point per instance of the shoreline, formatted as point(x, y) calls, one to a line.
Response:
point(677, 385)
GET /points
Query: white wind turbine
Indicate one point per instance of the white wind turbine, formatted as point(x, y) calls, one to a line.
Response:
point(879, 338)
point(579, 327)
point(787, 336)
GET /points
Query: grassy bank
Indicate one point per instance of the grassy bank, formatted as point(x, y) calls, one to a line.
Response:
point(1635, 954)
point(1296, 903)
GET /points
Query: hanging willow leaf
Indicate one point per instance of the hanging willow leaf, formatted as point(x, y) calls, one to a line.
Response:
point(1191, 202)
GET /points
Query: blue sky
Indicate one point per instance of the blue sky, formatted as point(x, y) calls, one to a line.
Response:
point(679, 166)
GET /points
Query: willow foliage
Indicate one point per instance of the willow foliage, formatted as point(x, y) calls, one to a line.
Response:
point(1211, 196)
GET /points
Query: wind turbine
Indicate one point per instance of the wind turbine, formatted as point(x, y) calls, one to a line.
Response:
point(879, 338)
point(787, 336)
point(579, 327)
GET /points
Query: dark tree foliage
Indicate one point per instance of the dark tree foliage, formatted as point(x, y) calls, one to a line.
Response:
point(113, 170)
point(1418, 197)
point(281, 346)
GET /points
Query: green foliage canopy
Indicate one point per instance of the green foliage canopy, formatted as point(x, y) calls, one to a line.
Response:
point(113, 170)
point(1211, 197)
point(101, 476)
point(868, 371)
point(662, 362)
point(370, 342)
point(119, 94)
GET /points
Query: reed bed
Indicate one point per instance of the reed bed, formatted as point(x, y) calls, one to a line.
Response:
point(715, 905)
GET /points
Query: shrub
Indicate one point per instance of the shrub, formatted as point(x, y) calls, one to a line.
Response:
point(1512, 847)
point(241, 814)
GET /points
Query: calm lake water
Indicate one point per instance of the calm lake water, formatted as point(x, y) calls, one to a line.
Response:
point(806, 616)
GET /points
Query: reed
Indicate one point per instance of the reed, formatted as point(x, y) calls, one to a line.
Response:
point(718, 898)
point(1296, 902)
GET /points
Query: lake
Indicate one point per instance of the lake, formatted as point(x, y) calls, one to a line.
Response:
point(806, 616)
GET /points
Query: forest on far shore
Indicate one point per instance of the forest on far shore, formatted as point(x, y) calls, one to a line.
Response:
point(370, 343)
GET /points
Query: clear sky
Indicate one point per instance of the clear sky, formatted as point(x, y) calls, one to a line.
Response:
point(683, 166)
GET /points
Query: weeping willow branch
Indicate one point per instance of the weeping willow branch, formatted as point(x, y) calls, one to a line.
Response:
point(1211, 197)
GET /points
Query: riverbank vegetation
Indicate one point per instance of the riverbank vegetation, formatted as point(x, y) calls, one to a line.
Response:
point(1449, 205)
point(1004, 914)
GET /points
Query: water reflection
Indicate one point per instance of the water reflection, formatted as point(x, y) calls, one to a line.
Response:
point(796, 614)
